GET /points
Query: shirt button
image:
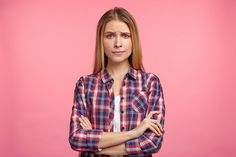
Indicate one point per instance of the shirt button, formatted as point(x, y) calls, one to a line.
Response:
point(122, 128)
point(122, 111)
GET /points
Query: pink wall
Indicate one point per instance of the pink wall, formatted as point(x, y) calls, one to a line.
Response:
point(45, 46)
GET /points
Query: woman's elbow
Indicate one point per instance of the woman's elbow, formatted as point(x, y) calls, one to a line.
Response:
point(76, 144)
point(154, 146)
point(157, 145)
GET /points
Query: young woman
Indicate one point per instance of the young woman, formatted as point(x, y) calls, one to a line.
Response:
point(119, 108)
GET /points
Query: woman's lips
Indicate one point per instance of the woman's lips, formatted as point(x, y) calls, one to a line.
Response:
point(118, 52)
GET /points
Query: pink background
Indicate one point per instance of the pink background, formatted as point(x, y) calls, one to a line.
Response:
point(45, 46)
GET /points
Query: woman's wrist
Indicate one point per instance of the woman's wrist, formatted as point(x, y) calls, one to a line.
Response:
point(133, 133)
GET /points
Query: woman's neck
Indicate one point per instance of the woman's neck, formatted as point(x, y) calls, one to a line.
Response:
point(118, 70)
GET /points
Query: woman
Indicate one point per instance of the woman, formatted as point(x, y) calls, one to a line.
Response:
point(119, 108)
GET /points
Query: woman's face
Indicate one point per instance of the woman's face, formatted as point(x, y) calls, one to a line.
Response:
point(117, 41)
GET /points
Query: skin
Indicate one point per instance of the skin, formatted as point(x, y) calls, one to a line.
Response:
point(117, 43)
point(118, 47)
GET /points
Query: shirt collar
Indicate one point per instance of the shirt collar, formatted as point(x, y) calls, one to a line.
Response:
point(133, 73)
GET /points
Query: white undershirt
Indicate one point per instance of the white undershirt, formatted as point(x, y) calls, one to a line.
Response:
point(116, 120)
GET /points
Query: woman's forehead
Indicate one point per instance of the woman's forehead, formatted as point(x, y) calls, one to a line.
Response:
point(117, 26)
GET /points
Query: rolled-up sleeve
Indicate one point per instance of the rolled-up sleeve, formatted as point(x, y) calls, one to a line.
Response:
point(149, 142)
point(81, 139)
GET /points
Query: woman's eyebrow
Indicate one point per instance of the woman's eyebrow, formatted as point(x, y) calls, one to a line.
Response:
point(125, 32)
point(108, 32)
point(116, 32)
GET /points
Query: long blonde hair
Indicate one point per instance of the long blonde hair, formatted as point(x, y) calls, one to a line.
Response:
point(123, 15)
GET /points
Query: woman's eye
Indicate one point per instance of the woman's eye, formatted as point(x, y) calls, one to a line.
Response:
point(126, 36)
point(109, 36)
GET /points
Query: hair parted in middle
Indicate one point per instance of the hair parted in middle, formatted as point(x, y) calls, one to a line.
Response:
point(123, 15)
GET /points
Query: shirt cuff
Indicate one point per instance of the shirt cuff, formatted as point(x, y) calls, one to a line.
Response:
point(133, 147)
point(92, 139)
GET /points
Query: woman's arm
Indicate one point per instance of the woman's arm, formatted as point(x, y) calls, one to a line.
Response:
point(108, 139)
point(80, 139)
point(148, 142)
point(115, 140)
point(114, 150)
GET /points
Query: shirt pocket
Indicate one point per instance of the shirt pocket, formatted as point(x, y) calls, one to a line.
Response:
point(139, 103)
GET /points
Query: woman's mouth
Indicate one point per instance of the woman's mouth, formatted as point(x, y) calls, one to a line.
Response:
point(118, 52)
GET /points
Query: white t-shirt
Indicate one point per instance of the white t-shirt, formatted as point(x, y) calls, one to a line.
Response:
point(116, 120)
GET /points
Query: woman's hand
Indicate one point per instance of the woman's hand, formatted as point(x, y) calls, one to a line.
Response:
point(85, 123)
point(149, 123)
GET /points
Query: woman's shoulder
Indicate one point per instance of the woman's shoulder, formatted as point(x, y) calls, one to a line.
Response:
point(88, 78)
point(149, 76)
point(151, 80)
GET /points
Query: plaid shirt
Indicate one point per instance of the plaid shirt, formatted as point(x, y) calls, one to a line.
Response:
point(140, 93)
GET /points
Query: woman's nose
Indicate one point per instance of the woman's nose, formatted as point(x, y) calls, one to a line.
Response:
point(118, 42)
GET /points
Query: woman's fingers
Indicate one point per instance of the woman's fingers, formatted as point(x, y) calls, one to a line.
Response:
point(160, 127)
point(82, 123)
point(156, 128)
point(153, 130)
point(149, 123)
point(154, 125)
point(85, 122)
point(152, 113)
point(157, 123)
point(84, 127)
point(81, 120)
point(154, 121)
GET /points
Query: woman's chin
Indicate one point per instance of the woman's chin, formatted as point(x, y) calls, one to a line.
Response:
point(117, 60)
